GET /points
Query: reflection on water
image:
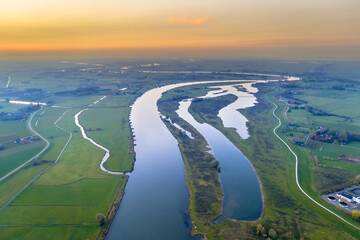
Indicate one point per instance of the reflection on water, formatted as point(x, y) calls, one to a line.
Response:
point(241, 188)
point(156, 199)
point(229, 115)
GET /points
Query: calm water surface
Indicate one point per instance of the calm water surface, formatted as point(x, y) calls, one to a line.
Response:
point(241, 188)
point(156, 199)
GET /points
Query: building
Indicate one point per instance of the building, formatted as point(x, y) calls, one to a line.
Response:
point(356, 200)
point(345, 196)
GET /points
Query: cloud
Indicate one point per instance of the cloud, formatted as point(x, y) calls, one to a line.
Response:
point(188, 21)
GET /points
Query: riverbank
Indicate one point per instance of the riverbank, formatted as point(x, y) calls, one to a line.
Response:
point(205, 200)
point(282, 211)
point(112, 211)
point(242, 195)
point(194, 153)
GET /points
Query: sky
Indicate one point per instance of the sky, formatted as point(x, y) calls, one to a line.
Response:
point(173, 28)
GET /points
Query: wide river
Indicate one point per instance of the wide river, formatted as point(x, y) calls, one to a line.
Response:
point(156, 198)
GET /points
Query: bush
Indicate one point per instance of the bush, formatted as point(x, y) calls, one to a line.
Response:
point(260, 230)
point(356, 215)
point(357, 180)
point(100, 218)
point(272, 233)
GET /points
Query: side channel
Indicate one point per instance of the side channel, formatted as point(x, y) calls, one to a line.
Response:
point(240, 185)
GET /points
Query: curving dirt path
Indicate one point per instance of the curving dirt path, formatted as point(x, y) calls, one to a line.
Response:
point(296, 171)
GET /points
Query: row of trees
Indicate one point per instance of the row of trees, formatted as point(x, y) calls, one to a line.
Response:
point(334, 136)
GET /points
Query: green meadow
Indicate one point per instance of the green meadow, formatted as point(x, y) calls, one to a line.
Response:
point(287, 209)
point(63, 201)
point(60, 200)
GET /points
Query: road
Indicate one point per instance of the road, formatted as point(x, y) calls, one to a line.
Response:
point(36, 156)
point(296, 171)
point(44, 170)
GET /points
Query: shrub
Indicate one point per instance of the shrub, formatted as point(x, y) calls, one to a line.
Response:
point(272, 233)
point(355, 215)
point(100, 218)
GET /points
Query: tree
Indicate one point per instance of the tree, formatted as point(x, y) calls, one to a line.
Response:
point(357, 179)
point(260, 230)
point(356, 215)
point(289, 235)
point(272, 233)
point(100, 218)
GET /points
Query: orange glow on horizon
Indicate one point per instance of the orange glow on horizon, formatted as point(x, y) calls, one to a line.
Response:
point(35, 25)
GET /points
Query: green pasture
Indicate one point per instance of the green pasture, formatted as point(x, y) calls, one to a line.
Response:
point(306, 179)
point(113, 131)
point(70, 193)
point(80, 102)
point(10, 162)
point(63, 202)
point(80, 160)
point(74, 203)
point(82, 192)
point(10, 186)
point(286, 207)
point(45, 126)
point(15, 127)
point(327, 155)
point(9, 108)
point(49, 232)
point(300, 116)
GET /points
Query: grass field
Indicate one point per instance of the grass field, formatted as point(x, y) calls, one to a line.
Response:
point(14, 127)
point(12, 161)
point(11, 186)
point(306, 179)
point(9, 108)
point(286, 209)
point(113, 131)
point(65, 199)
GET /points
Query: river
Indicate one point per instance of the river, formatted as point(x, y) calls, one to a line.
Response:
point(156, 198)
point(240, 185)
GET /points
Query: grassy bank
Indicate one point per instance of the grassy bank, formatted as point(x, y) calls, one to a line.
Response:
point(287, 210)
point(64, 201)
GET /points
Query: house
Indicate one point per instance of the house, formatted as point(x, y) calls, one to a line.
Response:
point(24, 140)
point(345, 196)
point(356, 200)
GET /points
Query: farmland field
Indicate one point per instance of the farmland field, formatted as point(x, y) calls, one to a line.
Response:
point(59, 194)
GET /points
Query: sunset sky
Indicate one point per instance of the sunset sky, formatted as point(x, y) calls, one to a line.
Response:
point(234, 28)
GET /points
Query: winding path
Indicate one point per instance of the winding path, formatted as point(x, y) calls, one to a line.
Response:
point(296, 171)
point(44, 170)
point(34, 157)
